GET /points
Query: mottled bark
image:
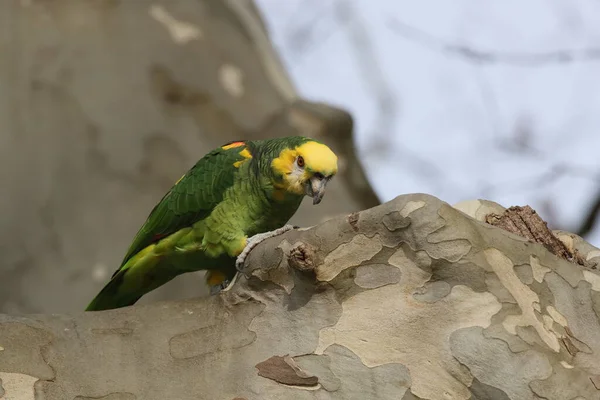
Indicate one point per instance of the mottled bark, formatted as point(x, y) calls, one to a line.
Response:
point(104, 104)
point(412, 299)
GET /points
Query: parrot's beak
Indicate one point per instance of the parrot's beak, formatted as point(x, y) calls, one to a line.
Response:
point(315, 187)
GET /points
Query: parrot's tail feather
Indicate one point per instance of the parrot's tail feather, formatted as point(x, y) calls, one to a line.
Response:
point(111, 297)
point(133, 280)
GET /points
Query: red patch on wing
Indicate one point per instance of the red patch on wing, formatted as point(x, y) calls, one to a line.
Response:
point(157, 237)
point(232, 145)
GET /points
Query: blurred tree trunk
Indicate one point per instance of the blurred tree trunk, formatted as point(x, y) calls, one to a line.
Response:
point(104, 104)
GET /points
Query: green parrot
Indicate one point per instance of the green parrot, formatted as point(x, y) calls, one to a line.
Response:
point(233, 198)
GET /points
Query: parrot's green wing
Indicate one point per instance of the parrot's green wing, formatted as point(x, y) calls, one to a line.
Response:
point(192, 198)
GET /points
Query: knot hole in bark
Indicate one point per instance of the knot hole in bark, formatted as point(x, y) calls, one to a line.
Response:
point(302, 257)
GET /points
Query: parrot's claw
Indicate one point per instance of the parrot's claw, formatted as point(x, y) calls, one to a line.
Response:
point(257, 239)
point(215, 289)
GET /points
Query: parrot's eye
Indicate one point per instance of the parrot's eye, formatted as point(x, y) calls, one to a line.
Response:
point(300, 161)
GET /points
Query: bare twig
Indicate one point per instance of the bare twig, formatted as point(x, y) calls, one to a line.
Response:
point(590, 219)
point(307, 36)
point(377, 84)
point(523, 59)
point(373, 76)
point(553, 173)
point(304, 28)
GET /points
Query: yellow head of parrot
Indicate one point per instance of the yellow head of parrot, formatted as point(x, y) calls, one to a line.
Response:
point(306, 169)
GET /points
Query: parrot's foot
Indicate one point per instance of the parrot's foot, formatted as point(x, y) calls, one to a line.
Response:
point(255, 240)
point(216, 281)
point(216, 289)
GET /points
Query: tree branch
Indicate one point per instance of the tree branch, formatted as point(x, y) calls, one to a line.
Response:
point(409, 299)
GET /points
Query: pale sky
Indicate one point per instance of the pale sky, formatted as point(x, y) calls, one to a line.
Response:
point(471, 98)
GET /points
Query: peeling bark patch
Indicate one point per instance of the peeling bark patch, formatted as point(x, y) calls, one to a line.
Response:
point(411, 207)
point(227, 333)
point(469, 207)
point(398, 330)
point(353, 221)
point(593, 279)
point(526, 298)
point(566, 365)
point(451, 250)
point(18, 386)
point(496, 287)
point(571, 348)
point(410, 396)
point(22, 350)
point(348, 255)
point(592, 254)
point(320, 366)
point(556, 316)
point(595, 297)
point(342, 371)
point(538, 270)
point(595, 381)
point(285, 370)
point(279, 275)
point(432, 291)
point(584, 327)
point(395, 221)
point(525, 273)
point(492, 363)
point(478, 209)
point(291, 324)
point(376, 275)
point(208, 340)
point(515, 343)
point(576, 343)
point(461, 273)
point(567, 241)
point(482, 391)
point(565, 383)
